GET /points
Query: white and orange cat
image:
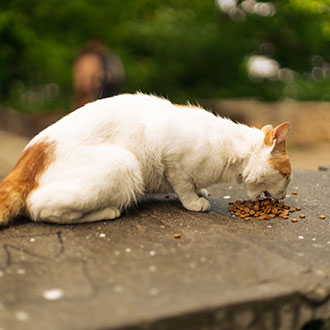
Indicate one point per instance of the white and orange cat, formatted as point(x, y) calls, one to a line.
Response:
point(97, 160)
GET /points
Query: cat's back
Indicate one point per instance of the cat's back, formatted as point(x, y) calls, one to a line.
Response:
point(96, 120)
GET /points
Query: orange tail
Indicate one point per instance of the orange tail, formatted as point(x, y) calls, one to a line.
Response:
point(18, 184)
point(11, 200)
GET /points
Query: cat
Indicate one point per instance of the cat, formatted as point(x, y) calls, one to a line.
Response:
point(99, 159)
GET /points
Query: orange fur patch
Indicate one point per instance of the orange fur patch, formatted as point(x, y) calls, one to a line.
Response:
point(18, 184)
point(269, 138)
point(280, 162)
point(279, 159)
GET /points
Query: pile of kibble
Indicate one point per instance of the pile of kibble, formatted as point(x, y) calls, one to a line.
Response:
point(265, 209)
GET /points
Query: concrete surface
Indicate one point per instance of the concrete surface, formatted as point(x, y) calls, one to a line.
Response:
point(131, 273)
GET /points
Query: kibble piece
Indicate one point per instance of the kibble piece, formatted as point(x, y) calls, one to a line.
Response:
point(298, 208)
point(177, 235)
point(294, 193)
point(294, 220)
point(247, 219)
point(302, 216)
point(292, 210)
point(323, 217)
point(274, 210)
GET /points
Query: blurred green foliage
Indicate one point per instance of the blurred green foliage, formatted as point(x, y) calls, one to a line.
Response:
point(185, 50)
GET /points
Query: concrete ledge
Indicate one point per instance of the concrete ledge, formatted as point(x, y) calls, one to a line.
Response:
point(26, 125)
point(131, 273)
point(311, 120)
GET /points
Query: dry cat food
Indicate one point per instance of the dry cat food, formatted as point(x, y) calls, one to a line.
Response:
point(265, 209)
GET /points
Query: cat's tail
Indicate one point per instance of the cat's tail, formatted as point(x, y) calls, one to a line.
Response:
point(23, 179)
point(12, 199)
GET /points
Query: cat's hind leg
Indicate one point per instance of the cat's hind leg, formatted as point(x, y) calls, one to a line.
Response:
point(66, 216)
point(98, 184)
point(109, 213)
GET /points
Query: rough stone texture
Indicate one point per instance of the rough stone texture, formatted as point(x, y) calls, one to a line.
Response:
point(131, 273)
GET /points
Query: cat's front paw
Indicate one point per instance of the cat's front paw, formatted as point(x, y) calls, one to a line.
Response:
point(200, 204)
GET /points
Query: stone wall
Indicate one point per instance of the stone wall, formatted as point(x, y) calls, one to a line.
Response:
point(310, 120)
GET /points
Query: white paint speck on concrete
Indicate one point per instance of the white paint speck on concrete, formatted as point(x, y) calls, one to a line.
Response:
point(53, 294)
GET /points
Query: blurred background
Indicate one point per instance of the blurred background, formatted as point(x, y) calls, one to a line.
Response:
point(255, 61)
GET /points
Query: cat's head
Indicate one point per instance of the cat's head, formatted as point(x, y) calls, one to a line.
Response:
point(269, 170)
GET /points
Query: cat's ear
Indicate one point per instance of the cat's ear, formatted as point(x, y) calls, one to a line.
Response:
point(281, 132)
point(276, 136)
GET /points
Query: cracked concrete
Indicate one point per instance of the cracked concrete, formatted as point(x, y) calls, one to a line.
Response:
point(132, 273)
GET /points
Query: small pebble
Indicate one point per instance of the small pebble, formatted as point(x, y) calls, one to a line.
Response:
point(152, 268)
point(53, 294)
point(22, 316)
point(154, 291)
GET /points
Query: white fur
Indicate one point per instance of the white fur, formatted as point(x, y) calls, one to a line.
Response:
point(112, 151)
